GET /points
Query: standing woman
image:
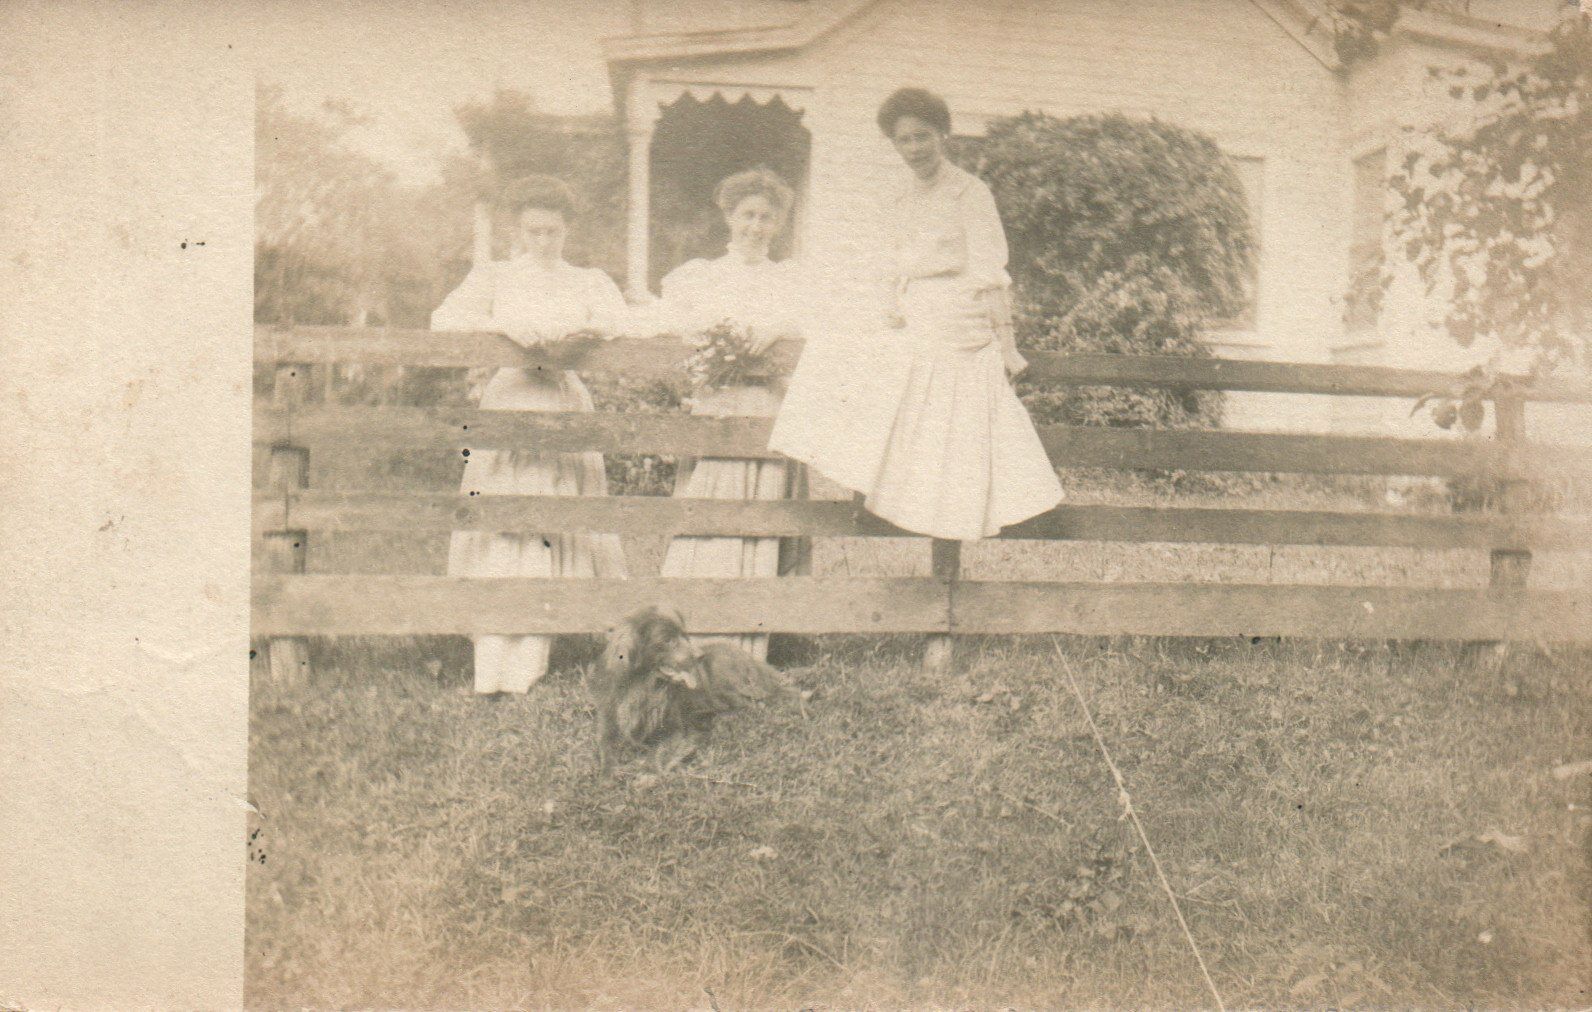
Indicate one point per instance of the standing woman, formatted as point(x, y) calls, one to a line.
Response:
point(532, 298)
point(939, 444)
point(746, 288)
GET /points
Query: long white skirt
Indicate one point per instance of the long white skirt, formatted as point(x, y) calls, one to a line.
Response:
point(729, 478)
point(513, 663)
point(930, 431)
point(840, 404)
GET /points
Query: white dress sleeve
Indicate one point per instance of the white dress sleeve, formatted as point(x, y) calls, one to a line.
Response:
point(792, 308)
point(986, 238)
point(608, 313)
point(468, 307)
point(986, 275)
point(682, 305)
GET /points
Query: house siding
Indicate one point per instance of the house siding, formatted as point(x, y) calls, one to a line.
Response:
point(1219, 66)
point(1390, 95)
point(1223, 67)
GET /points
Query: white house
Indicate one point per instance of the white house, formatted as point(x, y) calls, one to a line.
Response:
point(708, 86)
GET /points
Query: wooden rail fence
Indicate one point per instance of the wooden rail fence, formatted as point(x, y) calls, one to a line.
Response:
point(290, 604)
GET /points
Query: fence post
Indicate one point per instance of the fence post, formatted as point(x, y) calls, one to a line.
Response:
point(1511, 566)
point(286, 550)
point(945, 561)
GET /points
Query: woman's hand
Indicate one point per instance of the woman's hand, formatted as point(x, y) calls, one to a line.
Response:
point(1015, 362)
point(569, 350)
point(549, 327)
point(525, 335)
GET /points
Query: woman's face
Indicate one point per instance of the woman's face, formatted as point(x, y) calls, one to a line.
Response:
point(542, 232)
point(919, 144)
point(753, 223)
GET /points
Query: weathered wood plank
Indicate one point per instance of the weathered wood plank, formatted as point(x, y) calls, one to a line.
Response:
point(945, 565)
point(1195, 450)
point(454, 350)
point(287, 659)
point(453, 431)
point(1218, 525)
point(402, 605)
point(659, 515)
point(1264, 377)
point(627, 515)
point(1174, 609)
point(457, 350)
point(1510, 566)
point(419, 605)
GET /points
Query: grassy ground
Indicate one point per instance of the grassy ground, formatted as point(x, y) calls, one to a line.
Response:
point(1348, 826)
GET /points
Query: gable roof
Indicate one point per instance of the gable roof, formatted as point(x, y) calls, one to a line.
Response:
point(816, 19)
point(1304, 24)
point(1305, 21)
point(1463, 31)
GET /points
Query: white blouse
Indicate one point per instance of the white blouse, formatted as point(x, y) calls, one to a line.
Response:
point(950, 227)
point(765, 296)
point(531, 303)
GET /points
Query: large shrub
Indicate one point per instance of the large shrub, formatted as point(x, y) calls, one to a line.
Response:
point(1127, 236)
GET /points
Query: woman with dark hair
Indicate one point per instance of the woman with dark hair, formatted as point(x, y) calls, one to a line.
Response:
point(762, 297)
point(939, 444)
point(534, 297)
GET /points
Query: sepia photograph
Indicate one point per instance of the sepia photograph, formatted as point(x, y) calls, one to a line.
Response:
point(830, 504)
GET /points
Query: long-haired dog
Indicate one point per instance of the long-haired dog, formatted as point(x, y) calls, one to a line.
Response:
point(656, 690)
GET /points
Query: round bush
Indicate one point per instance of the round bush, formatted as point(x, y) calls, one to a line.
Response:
point(1127, 236)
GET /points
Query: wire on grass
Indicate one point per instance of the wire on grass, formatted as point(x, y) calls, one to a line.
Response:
point(1128, 810)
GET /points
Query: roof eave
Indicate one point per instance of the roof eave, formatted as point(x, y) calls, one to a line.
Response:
point(1302, 23)
point(1461, 31)
point(686, 45)
point(732, 41)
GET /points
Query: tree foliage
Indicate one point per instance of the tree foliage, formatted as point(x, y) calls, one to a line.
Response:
point(337, 239)
point(340, 240)
point(511, 139)
point(1358, 27)
point(1494, 210)
point(1127, 236)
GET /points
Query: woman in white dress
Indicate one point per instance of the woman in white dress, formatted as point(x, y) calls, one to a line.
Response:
point(936, 438)
point(532, 298)
point(746, 288)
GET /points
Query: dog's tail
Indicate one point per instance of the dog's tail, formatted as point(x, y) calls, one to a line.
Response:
point(733, 678)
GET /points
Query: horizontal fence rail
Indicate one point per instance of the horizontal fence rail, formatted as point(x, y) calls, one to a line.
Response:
point(323, 439)
point(312, 345)
point(397, 605)
point(440, 512)
point(352, 605)
point(454, 431)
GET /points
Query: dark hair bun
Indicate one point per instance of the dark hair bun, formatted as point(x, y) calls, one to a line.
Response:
point(546, 192)
point(917, 102)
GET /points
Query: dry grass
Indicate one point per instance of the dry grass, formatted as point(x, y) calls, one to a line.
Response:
point(913, 841)
point(934, 841)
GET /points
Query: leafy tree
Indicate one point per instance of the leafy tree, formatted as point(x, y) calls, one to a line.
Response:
point(322, 216)
point(510, 138)
point(1127, 236)
point(1358, 27)
point(1495, 213)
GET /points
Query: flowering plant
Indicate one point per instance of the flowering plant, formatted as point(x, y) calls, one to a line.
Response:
point(721, 355)
point(566, 351)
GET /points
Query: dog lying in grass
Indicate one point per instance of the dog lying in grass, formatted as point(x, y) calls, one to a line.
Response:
point(657, 690)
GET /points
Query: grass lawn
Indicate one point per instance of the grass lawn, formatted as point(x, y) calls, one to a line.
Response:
point(1350, 825)
point(1347, 825)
